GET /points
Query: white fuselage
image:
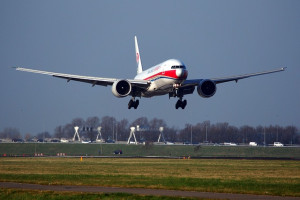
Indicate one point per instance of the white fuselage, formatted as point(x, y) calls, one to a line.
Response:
point(164, 77)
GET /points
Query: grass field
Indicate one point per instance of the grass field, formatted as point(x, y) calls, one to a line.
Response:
point(42, 195)
point(74, 149)
point(270, 177)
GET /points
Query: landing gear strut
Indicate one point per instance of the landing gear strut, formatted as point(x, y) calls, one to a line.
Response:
point(133, 103)
point(180, 104)
point(178, 93)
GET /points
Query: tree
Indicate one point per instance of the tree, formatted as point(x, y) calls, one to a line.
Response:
point(216, 133)
point(59, 132)
point(92, 123)
point(142, 122)
point(68, 131)
point(185, 134)
point(27, 136)
point(260, 135)
point(289, 135)
point(157, 123)
point(10, 133)
point(154, 126)
point(108, 127)
point(43, 135)
point(248, 134)
point(122, 130)
point(170, 134)
point(78, 122)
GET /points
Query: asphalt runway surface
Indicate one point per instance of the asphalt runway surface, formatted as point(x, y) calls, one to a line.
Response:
point(141, 191)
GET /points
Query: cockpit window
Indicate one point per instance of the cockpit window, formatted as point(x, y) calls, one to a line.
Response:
point(178, 67)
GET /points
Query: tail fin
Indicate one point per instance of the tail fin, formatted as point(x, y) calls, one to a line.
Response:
point(138, 57)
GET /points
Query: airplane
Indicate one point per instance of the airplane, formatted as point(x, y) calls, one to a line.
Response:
point(166, 78)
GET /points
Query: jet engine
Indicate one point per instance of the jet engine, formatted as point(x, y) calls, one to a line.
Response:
point(121, 88)
point(206, 88)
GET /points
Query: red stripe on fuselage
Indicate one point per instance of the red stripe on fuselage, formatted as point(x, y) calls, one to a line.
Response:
point(169, 74)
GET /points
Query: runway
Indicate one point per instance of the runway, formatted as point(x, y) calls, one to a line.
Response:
point(141, 191)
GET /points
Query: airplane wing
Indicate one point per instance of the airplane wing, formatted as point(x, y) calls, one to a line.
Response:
point(87, 79)
point(194, 82)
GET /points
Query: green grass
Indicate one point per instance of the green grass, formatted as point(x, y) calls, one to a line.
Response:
point(268, 187)
point(41, 195)
point(141, 150)
point(271, 177)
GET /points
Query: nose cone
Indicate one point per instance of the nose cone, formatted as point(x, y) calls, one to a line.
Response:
point(181, 73)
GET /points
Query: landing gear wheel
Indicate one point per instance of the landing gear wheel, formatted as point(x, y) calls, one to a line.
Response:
point(136, 104)
point(180, 104)
point(133, 103)
point(130, 104)
point(183, 104)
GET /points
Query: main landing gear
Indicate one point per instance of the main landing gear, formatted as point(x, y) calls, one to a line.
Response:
point(133, 103)
point(180, 104)
point(178, 93)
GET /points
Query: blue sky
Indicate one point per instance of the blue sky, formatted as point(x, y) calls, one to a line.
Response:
point(213, 39)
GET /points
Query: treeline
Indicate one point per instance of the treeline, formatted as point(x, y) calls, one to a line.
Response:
point(197, 133)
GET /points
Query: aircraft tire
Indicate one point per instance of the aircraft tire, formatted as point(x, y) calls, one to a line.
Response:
point(178, 104)
point(130, 104)
point(136, 104)
point(183, 104)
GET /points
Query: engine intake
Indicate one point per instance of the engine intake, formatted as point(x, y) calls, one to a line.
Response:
point(121, 88)
point(206, 88)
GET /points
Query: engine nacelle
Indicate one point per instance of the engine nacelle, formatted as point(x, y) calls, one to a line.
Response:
point(206, 88)
point(121, 88)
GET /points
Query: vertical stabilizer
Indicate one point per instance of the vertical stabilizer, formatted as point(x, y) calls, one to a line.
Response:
point(138, 57)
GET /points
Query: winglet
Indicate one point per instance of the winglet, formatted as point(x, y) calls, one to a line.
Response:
point(138, 57)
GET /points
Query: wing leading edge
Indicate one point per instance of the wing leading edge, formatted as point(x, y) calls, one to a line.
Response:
point(194, 82)
point(86, 79)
